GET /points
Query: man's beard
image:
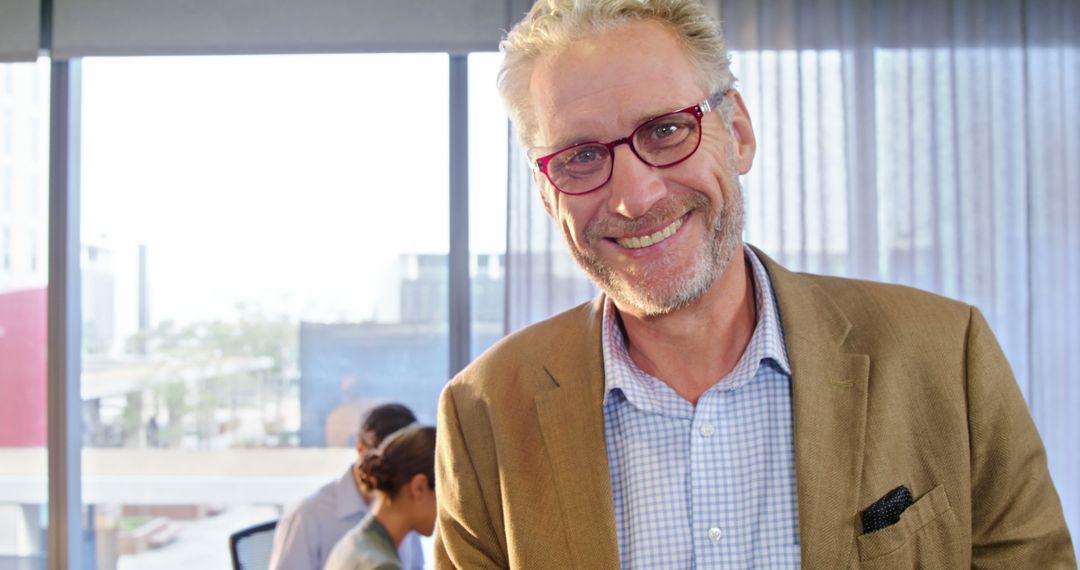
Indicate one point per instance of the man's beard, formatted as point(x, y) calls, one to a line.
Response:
point(649, 290)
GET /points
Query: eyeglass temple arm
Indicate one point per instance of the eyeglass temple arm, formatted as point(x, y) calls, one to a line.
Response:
point(713, 102)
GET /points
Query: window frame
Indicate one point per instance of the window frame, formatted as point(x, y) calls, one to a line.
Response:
point(65, 535)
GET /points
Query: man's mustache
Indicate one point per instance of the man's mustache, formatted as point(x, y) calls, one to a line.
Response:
point(663, 212)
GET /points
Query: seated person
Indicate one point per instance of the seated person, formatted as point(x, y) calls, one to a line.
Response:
point(401, 474)
point(307, 531)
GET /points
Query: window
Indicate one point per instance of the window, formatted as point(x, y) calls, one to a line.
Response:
point(269, 240)
point(23, 479)
point(487, 201)
point(7, 187)
point(6, 247)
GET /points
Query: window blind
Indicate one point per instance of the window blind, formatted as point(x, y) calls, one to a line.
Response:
point(19, 30)
point(222, 27)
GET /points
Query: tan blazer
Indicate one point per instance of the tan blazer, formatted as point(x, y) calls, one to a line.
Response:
point(892, 386)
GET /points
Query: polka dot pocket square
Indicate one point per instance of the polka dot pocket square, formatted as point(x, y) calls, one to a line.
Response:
point(886, 511)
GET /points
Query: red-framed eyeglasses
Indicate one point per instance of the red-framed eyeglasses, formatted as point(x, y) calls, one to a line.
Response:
point(660, 142)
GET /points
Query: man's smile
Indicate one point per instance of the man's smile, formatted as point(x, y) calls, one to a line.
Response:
point(638, 242)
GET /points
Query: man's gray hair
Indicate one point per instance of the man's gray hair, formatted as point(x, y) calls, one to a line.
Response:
point(551, 25)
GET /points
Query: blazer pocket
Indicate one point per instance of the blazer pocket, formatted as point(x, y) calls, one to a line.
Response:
point(921, 513)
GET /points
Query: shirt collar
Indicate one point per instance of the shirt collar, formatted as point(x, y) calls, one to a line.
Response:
point(347, 499)
point(623, 376)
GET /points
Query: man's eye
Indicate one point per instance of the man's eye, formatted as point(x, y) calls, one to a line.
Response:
point(665, 130)
point(665, 133)
point(584, 156)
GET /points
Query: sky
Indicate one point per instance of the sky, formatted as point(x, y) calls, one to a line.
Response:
point(291, 182)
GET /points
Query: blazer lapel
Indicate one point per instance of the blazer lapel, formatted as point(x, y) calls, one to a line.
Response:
point(572, 424)
point(830, 390)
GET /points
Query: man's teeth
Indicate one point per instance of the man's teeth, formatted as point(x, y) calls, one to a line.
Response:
point(646, 241)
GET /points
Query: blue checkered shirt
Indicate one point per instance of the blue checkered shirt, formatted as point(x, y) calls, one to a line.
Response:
point(712, 485)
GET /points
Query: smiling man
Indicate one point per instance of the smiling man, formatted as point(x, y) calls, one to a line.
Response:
point(711, 409)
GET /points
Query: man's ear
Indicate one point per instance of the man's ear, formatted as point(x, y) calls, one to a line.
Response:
point(742, 131)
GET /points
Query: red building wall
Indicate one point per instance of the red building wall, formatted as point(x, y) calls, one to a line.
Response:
point(22, 368)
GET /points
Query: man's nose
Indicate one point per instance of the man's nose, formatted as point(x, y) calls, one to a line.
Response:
point(635, 186)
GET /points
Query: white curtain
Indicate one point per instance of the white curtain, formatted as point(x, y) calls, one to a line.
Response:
point(930, 143)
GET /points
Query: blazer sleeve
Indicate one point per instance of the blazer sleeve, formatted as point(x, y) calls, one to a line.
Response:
point(1017, 521)
point(465, 476)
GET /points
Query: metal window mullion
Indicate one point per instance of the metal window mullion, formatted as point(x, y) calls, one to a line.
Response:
point(459, 313)
point(64, 321)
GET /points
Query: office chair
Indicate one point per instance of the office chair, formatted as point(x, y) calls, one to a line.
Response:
point(250, 547)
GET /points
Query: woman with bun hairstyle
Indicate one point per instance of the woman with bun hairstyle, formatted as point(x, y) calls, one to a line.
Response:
point(401, 475)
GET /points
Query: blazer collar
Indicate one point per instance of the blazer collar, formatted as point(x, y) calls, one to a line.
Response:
point(572, 425)
point(829, 386)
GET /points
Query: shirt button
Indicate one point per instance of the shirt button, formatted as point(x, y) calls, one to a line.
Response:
point(707, 429)
point(715, 534)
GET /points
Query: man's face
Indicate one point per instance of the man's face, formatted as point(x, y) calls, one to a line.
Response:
point(602, 89)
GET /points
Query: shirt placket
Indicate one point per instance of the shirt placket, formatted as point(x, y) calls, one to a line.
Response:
point(712, 534)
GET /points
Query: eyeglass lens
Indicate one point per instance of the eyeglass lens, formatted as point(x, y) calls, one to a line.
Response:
point(660, 142)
